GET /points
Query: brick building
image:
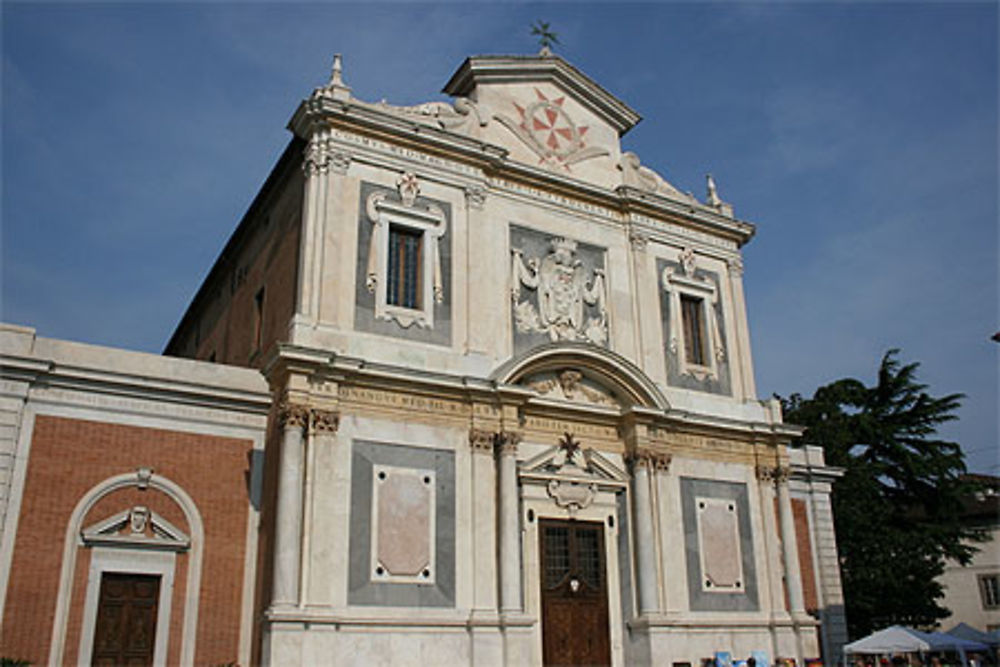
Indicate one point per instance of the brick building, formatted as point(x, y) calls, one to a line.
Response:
point(498, 408)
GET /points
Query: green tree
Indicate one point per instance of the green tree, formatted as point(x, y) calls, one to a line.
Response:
point(897, 508)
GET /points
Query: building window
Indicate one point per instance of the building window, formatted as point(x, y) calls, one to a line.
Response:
point(404, 275)
point(694, 329)
point(989, 589)
point(694, 337)
point(404, 258)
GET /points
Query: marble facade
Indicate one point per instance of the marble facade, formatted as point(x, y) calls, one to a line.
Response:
point(544, 370)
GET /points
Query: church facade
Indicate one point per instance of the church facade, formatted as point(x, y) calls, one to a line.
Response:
point(511, 414)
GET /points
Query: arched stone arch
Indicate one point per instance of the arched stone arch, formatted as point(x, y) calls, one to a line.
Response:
point(141, 478)
point(612, 370)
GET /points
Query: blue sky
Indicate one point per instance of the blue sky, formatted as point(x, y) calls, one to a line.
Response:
point(861, 138)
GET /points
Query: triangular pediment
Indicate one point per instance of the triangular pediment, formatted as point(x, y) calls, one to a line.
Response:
point(137, 526)
point(586, 465)
point(527, 72)
point(546, 114)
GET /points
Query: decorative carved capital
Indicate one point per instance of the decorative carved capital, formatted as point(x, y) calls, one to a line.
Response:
point(316, 158)
point(643, 458)
point(736, 267)
point(781, 474)
point(775, 474)
point(475, 196)
point(507, 442)
point(340, 161)
point(324, 421)
point(639, 241)
point(765, 473)
point(482, 441)
point(291, 415)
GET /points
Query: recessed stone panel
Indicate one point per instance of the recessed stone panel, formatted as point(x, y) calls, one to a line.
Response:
point(718, 544)
point(403, 524)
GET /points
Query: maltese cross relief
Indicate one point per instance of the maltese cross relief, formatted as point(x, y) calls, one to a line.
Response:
point(546, 128)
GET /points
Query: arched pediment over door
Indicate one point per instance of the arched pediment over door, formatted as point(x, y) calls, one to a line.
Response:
point(582, 374)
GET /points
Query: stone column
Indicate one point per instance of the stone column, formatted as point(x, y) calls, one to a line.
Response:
point(789, 546)
point(288, 519)
point(510, 528)
point(321, 435)
point(765, 478)
point(644, 465)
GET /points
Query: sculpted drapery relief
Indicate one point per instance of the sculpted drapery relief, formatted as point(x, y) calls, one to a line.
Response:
point(561, 283)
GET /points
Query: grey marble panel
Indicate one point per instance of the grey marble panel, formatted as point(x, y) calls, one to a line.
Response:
point(361, 589)
point(364, 304)
point(536, 245)
point(720, 385)
point(700, 600)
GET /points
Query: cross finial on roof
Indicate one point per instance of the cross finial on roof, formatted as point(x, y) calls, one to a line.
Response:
point(546, 38)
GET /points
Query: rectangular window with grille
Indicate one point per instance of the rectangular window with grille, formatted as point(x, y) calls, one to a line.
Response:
point(694, 329)
point(989, 589)
point(404, 279)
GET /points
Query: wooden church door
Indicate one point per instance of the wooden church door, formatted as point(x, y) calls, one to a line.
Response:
point(574, 594)
point(126, 619)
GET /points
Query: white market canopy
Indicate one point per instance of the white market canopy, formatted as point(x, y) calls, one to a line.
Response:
point(900, 639)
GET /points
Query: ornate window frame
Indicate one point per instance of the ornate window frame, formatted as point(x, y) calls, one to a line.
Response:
point(430, 222)
point(687, 284)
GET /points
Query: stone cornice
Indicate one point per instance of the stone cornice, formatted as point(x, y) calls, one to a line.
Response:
point(59, 371)
point(620, 204)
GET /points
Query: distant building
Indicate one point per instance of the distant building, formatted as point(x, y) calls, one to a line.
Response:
point(972, 592)
point(510, 418)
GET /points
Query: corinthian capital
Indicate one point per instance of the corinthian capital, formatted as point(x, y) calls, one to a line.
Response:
point(507, 442)
point(325, 421)
point(481, 440)
point(293, 415)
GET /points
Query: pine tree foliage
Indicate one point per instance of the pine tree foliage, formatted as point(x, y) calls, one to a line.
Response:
point(897, 508)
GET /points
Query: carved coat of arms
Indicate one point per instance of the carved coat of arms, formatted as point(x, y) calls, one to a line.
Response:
point(561, 283)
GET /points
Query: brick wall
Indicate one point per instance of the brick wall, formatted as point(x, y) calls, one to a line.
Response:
point(70, 456)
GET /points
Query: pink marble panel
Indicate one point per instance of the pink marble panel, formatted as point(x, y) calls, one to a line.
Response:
point(404, 523)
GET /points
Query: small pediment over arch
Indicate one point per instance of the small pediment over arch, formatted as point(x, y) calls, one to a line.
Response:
point(137, 526)
point(574, 463)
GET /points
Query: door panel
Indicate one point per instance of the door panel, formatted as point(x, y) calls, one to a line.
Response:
point(574, 594)
point(125, 632)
